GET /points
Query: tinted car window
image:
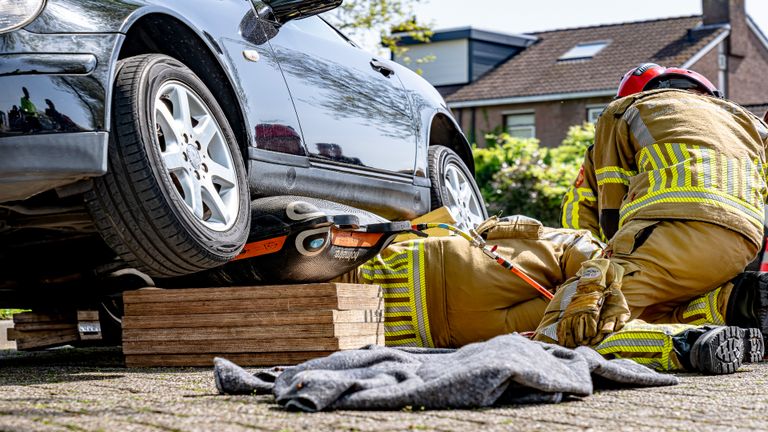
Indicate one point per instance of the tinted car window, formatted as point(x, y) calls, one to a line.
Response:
point(318, 28)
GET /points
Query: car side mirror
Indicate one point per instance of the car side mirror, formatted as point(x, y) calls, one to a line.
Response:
point(285, 10)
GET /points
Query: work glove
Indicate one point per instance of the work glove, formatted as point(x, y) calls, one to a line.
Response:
point(598, 307)
point(614, 314)
point(587, 307)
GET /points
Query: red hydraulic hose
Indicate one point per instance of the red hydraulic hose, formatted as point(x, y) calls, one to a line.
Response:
point(477, 241)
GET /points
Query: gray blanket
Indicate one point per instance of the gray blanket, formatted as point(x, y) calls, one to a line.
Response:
point(508, 369)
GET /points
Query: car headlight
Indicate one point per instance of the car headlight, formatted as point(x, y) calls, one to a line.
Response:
point(17, 13)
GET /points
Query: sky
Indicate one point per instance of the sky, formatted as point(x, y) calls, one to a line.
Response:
point(525, 16)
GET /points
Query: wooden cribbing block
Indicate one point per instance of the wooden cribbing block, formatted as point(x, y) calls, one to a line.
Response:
point(254, 319)
point(274, 345)
point(88, 324)
point(255, 305)
point(269, 325)
point(43, 326)
point(43, 339)
point(39, 330)
point(333, 290)
point(42, 317)
point(250, 332)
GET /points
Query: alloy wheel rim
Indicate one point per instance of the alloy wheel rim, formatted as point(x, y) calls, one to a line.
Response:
point(462, 202)
point(196, 157)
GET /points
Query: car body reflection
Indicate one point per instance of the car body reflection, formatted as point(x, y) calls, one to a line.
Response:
point(28, 118)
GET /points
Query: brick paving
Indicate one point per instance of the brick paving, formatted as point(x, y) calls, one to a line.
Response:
point(90, 390)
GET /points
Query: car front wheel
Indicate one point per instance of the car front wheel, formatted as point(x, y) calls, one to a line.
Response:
point(454, 187)
point(175, 199)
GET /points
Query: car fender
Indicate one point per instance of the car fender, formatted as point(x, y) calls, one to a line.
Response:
point(427, 105)
point(119, 17)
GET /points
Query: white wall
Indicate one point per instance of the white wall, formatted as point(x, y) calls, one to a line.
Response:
point(451, 64)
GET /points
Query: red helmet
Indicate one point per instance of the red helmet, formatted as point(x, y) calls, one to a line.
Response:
point(634, 80)
point(652, 76)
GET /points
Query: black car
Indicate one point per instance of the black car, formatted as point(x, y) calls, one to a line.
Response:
point(135, 133)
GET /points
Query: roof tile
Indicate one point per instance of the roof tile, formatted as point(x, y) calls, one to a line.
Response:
point(537, 71)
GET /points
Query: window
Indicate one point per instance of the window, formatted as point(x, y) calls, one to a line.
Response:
point(593, 113)
point(521, 125)
point(585, 50)
point(317, 28)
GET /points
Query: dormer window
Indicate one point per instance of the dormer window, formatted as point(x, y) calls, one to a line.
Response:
point(584, 50)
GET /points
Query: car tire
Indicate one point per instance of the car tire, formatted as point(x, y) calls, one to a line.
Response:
point(175, 199)
point(454, 187)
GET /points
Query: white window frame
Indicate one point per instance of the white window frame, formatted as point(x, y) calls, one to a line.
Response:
point(528, 130)
point(594, 110)
point(585, 50)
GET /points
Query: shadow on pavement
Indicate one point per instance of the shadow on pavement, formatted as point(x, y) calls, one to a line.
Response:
point(110, 357)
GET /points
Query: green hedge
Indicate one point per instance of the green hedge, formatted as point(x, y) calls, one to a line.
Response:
point(517, 176)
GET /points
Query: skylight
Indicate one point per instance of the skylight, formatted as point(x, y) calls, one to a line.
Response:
point(584, 50)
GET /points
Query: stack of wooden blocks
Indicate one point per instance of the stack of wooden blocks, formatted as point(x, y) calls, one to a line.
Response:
point(38, 330)
point(251, 326)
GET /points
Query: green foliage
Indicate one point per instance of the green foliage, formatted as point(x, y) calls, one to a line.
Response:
point(517, 176)
point(6, 314)
point(391, 19)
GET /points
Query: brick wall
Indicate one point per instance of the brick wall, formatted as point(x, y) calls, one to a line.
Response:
point(552, 118)
point(746, 75)
point(708, 67)
point(745, 81)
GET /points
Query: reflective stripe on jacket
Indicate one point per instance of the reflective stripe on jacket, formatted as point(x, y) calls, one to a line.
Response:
point(673, 154)
point(579, 206)
point(402, 279)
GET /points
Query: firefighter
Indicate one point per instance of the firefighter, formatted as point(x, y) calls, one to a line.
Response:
point(680, 194)
point(443, 292)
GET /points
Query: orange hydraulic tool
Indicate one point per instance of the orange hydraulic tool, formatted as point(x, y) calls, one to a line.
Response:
point(478, 241)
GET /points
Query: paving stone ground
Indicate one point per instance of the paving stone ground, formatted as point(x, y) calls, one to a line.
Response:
point(90, 390)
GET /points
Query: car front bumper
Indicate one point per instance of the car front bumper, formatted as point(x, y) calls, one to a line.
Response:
point(54, 109)
point(35, 163)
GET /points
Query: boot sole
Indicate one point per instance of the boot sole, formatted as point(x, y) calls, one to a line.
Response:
point(719, 351)
point(754, 345)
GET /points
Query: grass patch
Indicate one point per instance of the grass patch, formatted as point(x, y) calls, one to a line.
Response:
point(6, 314)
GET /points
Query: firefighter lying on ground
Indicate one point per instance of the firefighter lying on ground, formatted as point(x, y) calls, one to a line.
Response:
point(443, 292)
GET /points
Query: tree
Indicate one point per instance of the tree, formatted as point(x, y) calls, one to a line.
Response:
point(517, 176)
point(389, 20)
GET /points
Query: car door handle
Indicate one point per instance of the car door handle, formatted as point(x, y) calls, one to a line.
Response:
point(381, 68)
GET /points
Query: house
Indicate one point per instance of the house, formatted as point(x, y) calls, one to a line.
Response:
point(554, 79)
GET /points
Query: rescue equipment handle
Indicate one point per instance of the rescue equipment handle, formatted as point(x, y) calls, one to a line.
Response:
point(477, 241)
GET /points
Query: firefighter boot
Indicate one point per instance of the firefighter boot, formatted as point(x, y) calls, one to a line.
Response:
point(748, 303)
point(718, 350)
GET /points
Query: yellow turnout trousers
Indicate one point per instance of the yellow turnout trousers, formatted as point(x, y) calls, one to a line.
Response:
point(648, 344)
point(669, 263)
point(676, 277)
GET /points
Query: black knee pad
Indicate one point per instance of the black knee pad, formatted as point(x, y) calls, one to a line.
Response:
point(748, 303)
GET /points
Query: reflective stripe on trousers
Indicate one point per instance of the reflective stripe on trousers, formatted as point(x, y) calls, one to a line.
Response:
point(648, 344)
point(402, 278)
point(704, 310)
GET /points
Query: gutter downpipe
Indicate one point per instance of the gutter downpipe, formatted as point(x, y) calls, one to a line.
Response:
point(722, 66)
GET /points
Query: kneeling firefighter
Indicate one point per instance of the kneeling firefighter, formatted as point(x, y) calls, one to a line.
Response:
point(680, 193)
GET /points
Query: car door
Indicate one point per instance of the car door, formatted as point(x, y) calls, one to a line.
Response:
point(351, 107)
